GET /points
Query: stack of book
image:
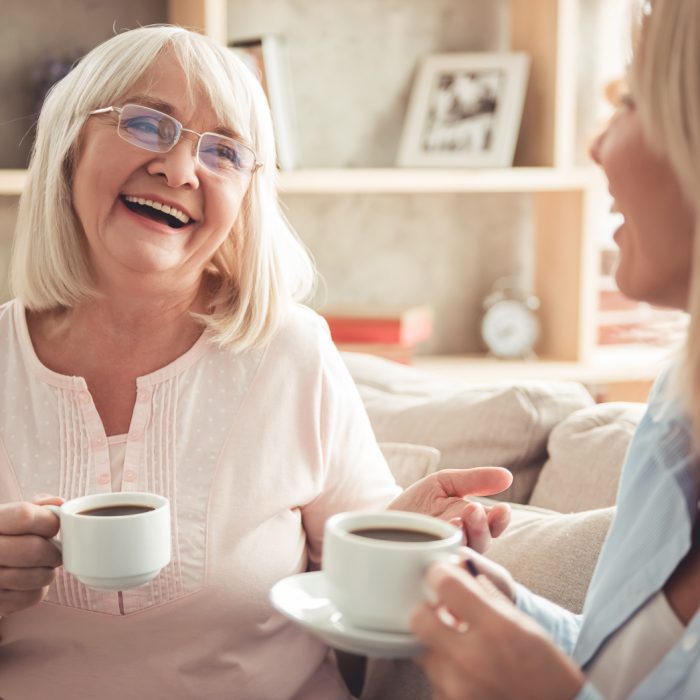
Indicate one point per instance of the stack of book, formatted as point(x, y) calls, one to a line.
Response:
point(388, 331)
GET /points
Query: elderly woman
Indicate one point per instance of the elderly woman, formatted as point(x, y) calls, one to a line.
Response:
point(155, 345)
point(639, 635)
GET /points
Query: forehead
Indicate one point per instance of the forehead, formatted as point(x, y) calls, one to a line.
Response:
point(166, 87)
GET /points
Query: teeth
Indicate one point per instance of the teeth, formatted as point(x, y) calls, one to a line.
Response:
point(166, 209)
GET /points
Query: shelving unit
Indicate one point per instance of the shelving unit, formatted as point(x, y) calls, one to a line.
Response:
point(563, 196)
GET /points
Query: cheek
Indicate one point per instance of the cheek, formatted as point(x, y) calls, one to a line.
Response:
point(226, 208)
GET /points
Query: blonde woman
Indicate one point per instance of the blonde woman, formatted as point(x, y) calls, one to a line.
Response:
point(155, 344)
point(639, 635)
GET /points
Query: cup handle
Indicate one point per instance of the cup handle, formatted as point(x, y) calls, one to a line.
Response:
point(56, 510)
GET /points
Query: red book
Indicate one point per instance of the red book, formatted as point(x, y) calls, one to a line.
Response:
point(404, 326)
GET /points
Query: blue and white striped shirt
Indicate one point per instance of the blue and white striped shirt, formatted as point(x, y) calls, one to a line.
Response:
point(652, 531)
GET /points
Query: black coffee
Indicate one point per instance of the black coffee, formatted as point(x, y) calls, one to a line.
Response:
point(396, 534)
point(111, 511)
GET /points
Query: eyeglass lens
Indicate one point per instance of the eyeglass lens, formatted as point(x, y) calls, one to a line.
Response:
point(156, 131)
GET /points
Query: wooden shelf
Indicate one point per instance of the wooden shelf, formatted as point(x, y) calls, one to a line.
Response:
point(622, 372)
point(12, 181)
point(409, 180)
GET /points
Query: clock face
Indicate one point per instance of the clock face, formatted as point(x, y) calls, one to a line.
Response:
point(509, 329)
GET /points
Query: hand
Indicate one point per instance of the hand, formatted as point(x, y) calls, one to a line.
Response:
point(442, 495)
point(27, 559)
point(481, 646)
point(499, 576)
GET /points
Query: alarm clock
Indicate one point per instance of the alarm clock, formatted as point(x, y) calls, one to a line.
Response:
point(509, 324)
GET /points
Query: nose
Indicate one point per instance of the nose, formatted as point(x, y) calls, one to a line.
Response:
point(596, 145)
point(178, 166)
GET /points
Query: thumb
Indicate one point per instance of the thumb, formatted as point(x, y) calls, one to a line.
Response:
point(45, 499)
point(477, 481)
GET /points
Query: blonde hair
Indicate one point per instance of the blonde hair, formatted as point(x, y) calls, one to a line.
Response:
point(664, 78)
point(261, 267)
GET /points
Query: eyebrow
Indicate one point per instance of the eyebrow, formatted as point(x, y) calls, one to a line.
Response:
point(162, 106)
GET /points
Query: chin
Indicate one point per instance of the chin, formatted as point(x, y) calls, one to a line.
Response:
point(627, 286)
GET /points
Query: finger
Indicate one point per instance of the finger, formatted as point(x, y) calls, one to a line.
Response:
point(13, 579)
point(476, 527)
point(498, 517)
point(12, 601)
point(44, 499)
point(27, 518)
point(28, 551)
point(478, 481)
point(466, 597)
point(429, 627)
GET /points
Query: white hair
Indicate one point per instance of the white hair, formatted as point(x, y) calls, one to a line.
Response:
point(261, 266)
point(664, 77)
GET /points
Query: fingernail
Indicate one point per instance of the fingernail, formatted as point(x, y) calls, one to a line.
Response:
point(471, 568)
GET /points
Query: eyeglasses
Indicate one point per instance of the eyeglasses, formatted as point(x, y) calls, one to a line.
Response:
point(158, 132)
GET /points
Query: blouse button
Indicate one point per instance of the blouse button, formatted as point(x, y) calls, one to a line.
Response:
point(84, 397)
point(145, 396)
point(129, 475)
point(137, 435)
point(103, 479)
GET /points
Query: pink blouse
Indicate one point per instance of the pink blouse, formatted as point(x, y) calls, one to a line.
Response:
point(254, 450)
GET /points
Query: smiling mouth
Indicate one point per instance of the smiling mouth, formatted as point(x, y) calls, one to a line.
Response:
point(148, 211)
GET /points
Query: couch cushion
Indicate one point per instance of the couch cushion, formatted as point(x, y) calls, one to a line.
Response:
point(551, 553)
point(471, 425)
point(586, 452)
point(409, 463)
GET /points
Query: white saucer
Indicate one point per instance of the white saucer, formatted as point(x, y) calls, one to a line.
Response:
point(302, 598)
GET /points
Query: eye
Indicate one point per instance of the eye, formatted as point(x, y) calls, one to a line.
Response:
point(226, 155)
point(142, 125)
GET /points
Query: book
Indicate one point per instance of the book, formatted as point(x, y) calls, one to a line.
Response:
point(266, 56)
point(374, 323)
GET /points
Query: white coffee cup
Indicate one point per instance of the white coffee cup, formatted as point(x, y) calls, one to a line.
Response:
point(113, 552)
point(377, 583)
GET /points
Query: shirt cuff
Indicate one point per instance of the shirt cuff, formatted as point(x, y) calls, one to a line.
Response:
point(562, 625)
point(588, 692)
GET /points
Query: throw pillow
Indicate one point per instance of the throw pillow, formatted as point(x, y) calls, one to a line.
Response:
point(586, 452)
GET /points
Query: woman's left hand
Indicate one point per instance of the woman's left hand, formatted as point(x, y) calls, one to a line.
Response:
point(443, 493)
point(486, 648)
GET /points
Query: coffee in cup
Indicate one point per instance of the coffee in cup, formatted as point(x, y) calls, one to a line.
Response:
point(114, 541)
point(374, 564)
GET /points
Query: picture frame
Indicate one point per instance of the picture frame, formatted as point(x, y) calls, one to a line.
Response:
point(465, 111)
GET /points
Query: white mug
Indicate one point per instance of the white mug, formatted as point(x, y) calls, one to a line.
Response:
point(113, 552)
point(377, 583)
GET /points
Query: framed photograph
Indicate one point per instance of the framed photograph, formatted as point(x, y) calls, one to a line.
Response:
point(465, 111)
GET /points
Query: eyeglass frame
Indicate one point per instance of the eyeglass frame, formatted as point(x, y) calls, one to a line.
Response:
point(106, 110)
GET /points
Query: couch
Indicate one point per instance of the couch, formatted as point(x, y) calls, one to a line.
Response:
point(565, 453)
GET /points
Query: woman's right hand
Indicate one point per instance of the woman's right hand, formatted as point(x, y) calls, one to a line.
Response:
point(28, 560)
